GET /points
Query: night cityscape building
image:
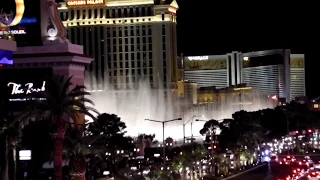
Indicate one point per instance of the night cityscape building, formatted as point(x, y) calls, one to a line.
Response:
point(129, 40)
point(272, 72)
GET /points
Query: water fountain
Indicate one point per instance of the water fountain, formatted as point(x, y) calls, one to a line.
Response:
point(134, 106)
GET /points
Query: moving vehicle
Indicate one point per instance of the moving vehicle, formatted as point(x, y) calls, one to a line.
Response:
point(287, 160)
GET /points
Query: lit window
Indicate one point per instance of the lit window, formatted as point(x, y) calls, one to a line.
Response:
point(315, 105)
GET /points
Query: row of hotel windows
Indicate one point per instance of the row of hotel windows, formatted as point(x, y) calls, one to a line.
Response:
point(126, 64)
point(131, 72)
point(128, 79)
point(81, 33)
point(138, 48)
point(133, 31)
point(139, 56)
point(132, 40)
point(106, 13)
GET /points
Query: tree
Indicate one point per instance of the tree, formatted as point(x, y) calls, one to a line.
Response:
point(268, 119)
point(210, 129)
point(37, 139)
point(148, 139)
point(78, 147)
point(240, 134)
point(62, 102)
point(10, 130)
point(190, 157)
point(113, 130)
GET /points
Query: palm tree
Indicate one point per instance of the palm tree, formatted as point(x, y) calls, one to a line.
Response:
point(10, 130)
point(210, 128)
point(78, 147)
point(62, 102)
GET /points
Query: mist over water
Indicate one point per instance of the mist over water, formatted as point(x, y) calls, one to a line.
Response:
point(142, 102)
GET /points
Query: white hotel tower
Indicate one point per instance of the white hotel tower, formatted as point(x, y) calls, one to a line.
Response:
point(128, 39)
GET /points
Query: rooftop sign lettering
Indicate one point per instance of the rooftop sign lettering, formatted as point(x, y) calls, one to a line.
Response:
point(84, 2)
point(191, 58)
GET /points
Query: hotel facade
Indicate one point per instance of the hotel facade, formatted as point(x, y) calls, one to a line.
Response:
point(130, 41)
point(273, 72)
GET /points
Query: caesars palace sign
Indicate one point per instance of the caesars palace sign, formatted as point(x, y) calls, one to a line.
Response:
point(84, 2)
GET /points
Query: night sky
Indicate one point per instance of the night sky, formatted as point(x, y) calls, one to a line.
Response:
point(207, 27)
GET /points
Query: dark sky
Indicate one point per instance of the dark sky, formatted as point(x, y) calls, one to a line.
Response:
point(207, 27)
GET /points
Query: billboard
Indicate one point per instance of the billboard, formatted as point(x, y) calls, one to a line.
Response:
point(192, 63)
point(21, 18)
point(6, 57)
point(19, 85)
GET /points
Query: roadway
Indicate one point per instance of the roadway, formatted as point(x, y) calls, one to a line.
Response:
point(268, 172)
point(257, 174)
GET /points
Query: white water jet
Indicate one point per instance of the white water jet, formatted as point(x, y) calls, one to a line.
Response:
point(135, 104)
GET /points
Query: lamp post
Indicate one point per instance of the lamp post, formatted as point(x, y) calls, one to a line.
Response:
point(184, 128)
point(163, 142)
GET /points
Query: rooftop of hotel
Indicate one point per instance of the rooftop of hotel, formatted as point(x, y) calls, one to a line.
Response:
point(111, 3)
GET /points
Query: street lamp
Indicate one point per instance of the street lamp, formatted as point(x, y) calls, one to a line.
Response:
point(163, 142)
point(184, 128)
point(201, 120)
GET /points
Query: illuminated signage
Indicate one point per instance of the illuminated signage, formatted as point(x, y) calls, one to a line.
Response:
point(84, 2)
point(13, 32)
point(6, 57)
point(26, 88)
point(191, 58)
point(20, 7)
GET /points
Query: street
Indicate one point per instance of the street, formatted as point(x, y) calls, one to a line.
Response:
point(257, 174)
point(268, 172)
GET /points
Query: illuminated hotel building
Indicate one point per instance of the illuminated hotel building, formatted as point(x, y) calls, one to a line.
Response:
point(130, 40)
point(217, 70)
point(273, 72)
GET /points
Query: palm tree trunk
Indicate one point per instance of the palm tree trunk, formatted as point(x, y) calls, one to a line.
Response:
point(14, 152)
point(58, 139)
point(6, 168)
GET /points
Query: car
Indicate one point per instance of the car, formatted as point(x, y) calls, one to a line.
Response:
point(308, 160)
point(313, 176)
point(274, 159)
point(283, 177)
point(287, 160)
